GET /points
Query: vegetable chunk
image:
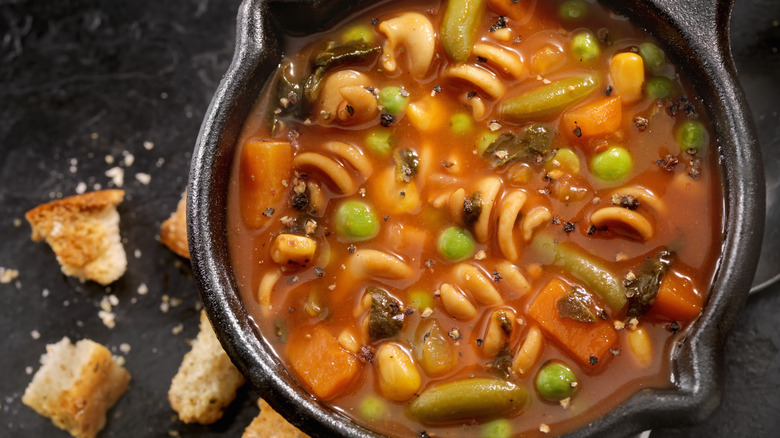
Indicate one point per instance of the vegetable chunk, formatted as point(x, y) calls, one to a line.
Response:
point(464, 399)
point(265, 165)
point(583, 341)
point(321, 363)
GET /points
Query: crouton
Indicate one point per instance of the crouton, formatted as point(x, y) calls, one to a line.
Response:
point(83, 231)
point(76, 385)
point(207, 380)
point(173, 232)
point(269, 424)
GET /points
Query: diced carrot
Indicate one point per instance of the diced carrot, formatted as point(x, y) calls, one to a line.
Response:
point(677, 299)
point(265, 167)
point(594, 119)
point(325, 367)
point(582, 340)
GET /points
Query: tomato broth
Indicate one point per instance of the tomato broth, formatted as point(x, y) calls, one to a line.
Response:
point(468, 197)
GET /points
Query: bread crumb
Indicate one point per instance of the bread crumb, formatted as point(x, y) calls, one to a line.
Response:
point(117, 175)
point(76, 385)
point(143, 289)
point(45, 293)
point(269, 420)
point(543, 428)
point(177, 329)
point(137, 253)
point(28, 370)
point(81, 188)
point(35, 334)
point(109, 159)
point(173, 232)
point(480, 255)
point(8, 275)
point(143, 178)
point(207, 380)
point(108, 318)
point(148, 145)
point(124, 347)
point(83, 231)
point(128, 158)
point(17, 222)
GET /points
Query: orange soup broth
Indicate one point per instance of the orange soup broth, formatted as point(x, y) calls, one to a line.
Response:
point(691, 226)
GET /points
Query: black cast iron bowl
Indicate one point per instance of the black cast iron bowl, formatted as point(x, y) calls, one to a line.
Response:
point(695, 34)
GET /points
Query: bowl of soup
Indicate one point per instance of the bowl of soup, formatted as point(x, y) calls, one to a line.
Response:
point(476, 218)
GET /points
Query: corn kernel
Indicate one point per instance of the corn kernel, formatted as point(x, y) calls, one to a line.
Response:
point(628, 76)
point(289, 248)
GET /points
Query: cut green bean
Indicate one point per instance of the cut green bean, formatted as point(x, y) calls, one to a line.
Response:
point(551, 99)
point(585, 46)
point(461, 123)
point(691, 135)
point(583, 266)
point(381, 142)
point(392, 100)
point(654, 56)
point(420, 299)
point(501, 428)
point(456, 244)
point(358, 32)
point(459, 27)
point(565, 159)
point(355, 221)
point(555, 381)
point(659, 87)
point(479, 398)
point(612, 165)
point(372, 408)
point(573, 10)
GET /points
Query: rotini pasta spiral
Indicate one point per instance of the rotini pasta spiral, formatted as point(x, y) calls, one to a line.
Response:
point(492, 61)
point(625, 217)
point(508, 212)
point(346, 179)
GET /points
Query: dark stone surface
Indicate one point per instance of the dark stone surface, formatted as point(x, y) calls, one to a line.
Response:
point(83, 79)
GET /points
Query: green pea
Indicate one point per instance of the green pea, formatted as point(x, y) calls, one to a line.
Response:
point(358, 32)
point(485, 140)
point(419, 300)
point(372, 408)
point(659, 87)
point(554, 381)
point(573, 9)
point(692, 135)
point(653, 56)
point(392, 100)
point(614, 164)
point(381, 142)
point(567, 160)
point(500, 428)
point(456, 244)
point(585, 46)
point(356, 221)
point(461, 123)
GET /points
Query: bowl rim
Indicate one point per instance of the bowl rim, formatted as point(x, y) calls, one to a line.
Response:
point(698, 363)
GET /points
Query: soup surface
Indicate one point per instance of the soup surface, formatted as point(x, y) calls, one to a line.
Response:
point(480, 218)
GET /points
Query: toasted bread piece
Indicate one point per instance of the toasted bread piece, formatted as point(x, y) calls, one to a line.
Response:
point(76, 385)
point(83, 231)
point(269, 424)
point(207, 380)
point(173, 232)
